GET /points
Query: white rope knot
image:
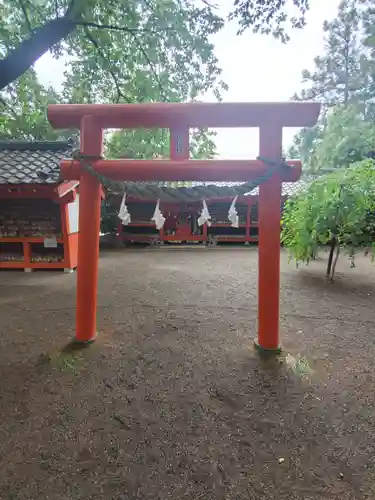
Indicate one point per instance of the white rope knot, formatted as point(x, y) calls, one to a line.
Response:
point(158, 217)
point(205, 215)
point(124, 214)
point(232, 214)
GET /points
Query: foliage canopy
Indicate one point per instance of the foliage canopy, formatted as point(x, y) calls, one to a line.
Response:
point(342, 137)
point(115, 51)
point(343, 79)
point(336, 209)
point(29, 28)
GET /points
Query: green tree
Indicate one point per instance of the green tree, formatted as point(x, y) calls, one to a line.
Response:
point(337, 210)
point(163, 47)
point(145, 143)
point(118, 51)
point(340, 79)
point(304, 146)
point(23, 110)
point(343, 136)
point(368, 60)
point(137, 143)
point(275, 17)
point(346, 138)
point(337, 76)
point(32, 27)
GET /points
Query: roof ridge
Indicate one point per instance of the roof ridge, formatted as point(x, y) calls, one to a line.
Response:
point(23, 145)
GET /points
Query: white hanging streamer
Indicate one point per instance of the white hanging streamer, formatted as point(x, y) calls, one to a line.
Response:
point(123, 214)
point(205, 216)
point(232, 214)
point(158, 217)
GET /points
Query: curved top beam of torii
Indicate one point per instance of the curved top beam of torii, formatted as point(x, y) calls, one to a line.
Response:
point(195, 114)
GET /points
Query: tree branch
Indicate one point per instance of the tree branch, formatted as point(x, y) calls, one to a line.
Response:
point(28, 52)
point(25, 15)
point(74, 9)
point(151, 64)
point(210, 5)
point(9, 108)
point(111, 72)
point(43, 38)
point(113, 27)
point(332, 275)
point(70, 7)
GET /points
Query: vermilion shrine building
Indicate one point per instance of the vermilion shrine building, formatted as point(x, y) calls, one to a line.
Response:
point(181, 223)
point(38, 211)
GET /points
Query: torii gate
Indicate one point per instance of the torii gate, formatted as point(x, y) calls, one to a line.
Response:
point(91, 119)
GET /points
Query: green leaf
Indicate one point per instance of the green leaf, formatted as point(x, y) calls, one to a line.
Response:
point(339, 205)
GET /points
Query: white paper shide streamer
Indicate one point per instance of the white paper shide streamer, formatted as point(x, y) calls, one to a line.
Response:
point(123, 214)
point(158, 217)
point(205, 216)
point(232, 214)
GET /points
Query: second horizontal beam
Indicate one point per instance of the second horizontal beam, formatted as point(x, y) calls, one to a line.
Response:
point(184, 170)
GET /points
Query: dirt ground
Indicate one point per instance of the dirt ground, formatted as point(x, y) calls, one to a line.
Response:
point(171, 401)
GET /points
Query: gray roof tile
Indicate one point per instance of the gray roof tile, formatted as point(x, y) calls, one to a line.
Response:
point(288, 188)
point(291, 188)
point(23, 162)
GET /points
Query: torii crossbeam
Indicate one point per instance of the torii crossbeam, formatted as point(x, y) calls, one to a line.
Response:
point(179, 118)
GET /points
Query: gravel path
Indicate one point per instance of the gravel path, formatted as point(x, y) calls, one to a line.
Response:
point(172, 402)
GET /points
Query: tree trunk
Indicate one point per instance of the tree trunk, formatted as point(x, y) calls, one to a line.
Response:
point(331, 278)
point(347, 36)
point(330, 257)
point(20, 59)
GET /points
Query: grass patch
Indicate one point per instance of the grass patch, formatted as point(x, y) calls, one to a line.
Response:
point(62, 361)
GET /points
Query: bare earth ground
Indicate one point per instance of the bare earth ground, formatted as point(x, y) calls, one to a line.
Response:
point(171, 402)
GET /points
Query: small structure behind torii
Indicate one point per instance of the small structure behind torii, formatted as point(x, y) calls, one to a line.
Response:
point(270, 118)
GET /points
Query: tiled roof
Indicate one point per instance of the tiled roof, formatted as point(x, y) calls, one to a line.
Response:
point(288, 188)
point(291, 188)
point(23, 162)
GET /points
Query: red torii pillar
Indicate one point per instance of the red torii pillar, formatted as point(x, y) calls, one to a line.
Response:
point(269, 117)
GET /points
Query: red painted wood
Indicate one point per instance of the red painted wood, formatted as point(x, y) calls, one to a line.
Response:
point(64, 214)
point(32, 265)
point(66, 187)
point(89, 228)
point(184, 237)
point(270, 117)
point(179, 144)
point(248, 219)
point(182, 170)
point(32, 239)
point(70, 242)
point(270, 145)
point(198, 114)
point(179, 151)
point(28, 191)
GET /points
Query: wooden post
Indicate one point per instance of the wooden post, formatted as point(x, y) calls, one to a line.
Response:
point(162, 235)
point(64, 217)
point(179, 150)
point(205, 234)
point(179, 143)
point(27, 254)
point(248, 221)
point(270, 138)
point(119, 235)
point(89, 228)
